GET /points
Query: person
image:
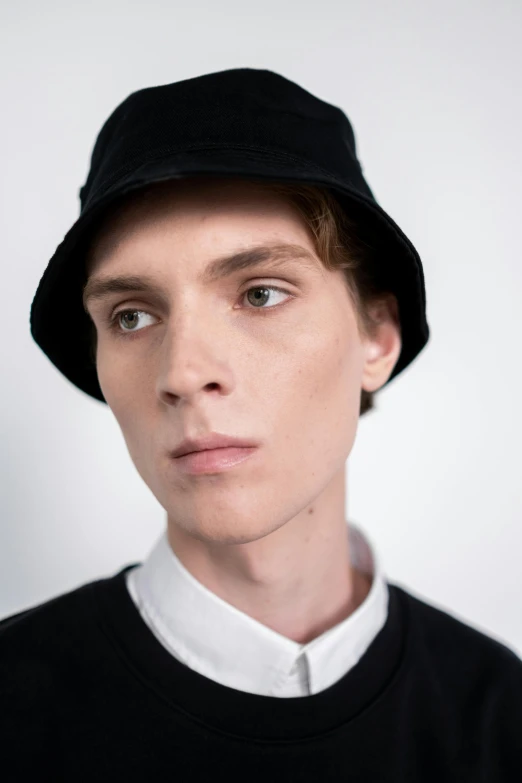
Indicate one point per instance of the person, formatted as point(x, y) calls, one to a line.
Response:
point(238, 318)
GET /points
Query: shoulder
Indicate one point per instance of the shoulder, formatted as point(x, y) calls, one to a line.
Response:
point(446, 633)
point(43, 616)
point(42, 644)
point(461, 659)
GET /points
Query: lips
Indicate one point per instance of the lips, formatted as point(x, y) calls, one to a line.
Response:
point(213, 460)
point(213, 440)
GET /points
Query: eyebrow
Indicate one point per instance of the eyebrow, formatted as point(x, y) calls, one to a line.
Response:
point(97, 288)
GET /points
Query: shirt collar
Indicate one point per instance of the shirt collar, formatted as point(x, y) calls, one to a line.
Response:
point(220, 641)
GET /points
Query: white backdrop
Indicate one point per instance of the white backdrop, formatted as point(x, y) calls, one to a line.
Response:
point(433, 90)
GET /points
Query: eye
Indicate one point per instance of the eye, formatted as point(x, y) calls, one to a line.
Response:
point(114, 322)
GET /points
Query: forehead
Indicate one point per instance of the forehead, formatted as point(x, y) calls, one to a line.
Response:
point(191, 191)
point(191, 196)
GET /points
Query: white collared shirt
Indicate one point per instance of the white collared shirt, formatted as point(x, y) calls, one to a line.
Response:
point(223, 643)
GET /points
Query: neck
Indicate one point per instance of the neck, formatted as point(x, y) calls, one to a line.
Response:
point(297, 580)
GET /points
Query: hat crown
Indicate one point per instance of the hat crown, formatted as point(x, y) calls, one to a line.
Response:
point(238, 108)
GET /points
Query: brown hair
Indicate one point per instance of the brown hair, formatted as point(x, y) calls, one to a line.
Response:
point(338, 244)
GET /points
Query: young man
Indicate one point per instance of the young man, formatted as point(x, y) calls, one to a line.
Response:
point(236, 296)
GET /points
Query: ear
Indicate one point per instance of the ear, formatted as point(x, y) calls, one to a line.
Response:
point(383, 348)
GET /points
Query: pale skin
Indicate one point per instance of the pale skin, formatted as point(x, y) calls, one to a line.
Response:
point(268, 536)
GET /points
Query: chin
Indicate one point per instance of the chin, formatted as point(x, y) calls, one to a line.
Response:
point(215, 532)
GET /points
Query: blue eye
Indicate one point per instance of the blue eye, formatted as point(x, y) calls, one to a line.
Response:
point(114, 320)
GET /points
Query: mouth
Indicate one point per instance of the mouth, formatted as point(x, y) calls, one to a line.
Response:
point(210, 461)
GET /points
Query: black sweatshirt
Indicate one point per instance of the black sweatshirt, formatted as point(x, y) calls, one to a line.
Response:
point(87, 693)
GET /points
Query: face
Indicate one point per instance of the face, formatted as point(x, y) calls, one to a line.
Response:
point(283, 367)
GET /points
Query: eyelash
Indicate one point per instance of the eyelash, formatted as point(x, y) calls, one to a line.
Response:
point(114, 325)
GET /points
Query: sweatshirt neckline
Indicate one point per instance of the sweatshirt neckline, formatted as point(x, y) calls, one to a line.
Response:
point(247, 715)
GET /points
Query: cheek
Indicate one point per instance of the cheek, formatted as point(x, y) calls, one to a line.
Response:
point(121, 381)
point(324, 369)
point(126, 395)
point(319, 390)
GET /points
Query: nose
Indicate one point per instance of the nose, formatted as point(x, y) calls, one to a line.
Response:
point(193, 360)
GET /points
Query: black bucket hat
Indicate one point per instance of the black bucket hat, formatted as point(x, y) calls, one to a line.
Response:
point(243, 122)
